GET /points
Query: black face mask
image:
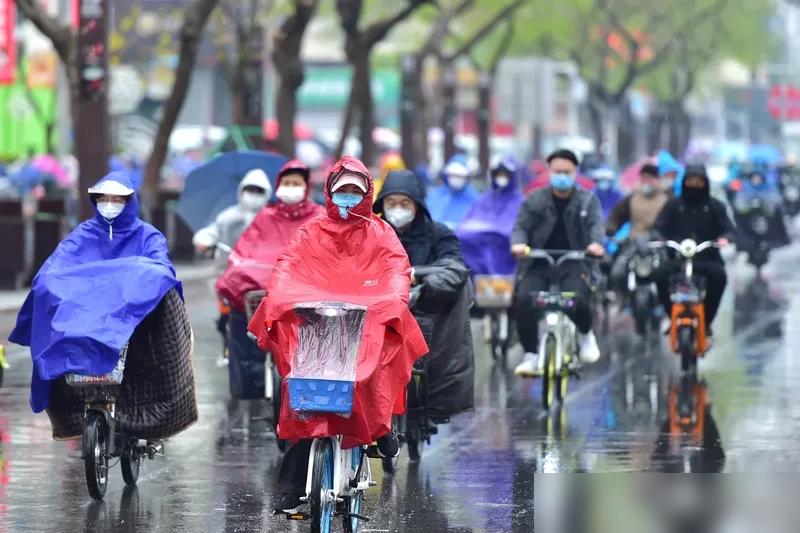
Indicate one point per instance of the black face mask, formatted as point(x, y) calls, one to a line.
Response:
point(694, 196)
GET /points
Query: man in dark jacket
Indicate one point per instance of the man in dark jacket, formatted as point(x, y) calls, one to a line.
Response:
point(559, 217)
point(443, 307)
point(696, 215)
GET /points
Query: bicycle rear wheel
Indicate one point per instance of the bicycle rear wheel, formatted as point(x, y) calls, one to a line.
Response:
point(549, 377)
point(130, 462)
point(321, 498)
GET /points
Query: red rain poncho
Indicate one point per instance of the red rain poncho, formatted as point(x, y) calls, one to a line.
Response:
point(257, 250)
point(360, 261)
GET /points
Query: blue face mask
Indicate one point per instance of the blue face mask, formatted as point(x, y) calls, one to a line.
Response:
point(346, 201)
point(562, 182)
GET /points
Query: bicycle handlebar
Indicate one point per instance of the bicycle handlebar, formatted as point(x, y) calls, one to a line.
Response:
point(564, 256)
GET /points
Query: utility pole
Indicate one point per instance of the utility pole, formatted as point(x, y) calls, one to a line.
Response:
point(92, 137)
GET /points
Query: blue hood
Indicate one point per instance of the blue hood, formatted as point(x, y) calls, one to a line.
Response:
point(90, 294)
point(666, 164)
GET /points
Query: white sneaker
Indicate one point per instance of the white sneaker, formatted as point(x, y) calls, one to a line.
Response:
point(589, 351)
point(530, 367)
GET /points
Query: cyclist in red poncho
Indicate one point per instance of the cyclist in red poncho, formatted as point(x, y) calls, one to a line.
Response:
point(351, 256)
point(257, 250)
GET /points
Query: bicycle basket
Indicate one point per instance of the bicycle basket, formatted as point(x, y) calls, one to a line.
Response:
point(252, 299)
point(323, 374)
point(112, 378)
point(493, 292)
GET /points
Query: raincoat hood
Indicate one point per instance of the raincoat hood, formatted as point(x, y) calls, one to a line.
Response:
point(129, 215)
point(294, 166)
point(255, 178)
point(449, 206)
point(666, 164)
point(303, 209)
point(364, 209)
point(402, 182)
point(102, 280)
point(510, 167)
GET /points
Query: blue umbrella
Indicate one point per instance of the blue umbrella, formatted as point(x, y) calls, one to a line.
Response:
point(764, 153)
point(213, 186)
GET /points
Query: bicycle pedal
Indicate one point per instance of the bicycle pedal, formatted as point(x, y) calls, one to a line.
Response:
point(355, 515)
point(295, 517)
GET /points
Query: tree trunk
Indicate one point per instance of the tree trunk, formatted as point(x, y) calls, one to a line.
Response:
point(484, 121)
point(195, 20)
point(289, 65)
point(362, 74)
point(449, 112)
point(597, 120)
point(347, 121)
point(408, 111)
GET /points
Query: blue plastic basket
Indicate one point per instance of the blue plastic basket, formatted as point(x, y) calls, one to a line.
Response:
point(321, 395)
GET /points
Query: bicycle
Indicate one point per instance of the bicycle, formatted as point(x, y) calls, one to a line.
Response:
point(558, 344)
point(3, 363)
point(102, 442)
point(337, 479)
point(494, 294)
point(413, 428)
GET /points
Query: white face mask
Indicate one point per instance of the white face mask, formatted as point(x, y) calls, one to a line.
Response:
point(457, 182)
point(109, 210)
point(399, 217)
point(253, 201)
point(291, 194)
point(502, 181)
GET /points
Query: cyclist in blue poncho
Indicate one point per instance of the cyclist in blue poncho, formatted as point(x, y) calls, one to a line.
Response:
point(98, 285)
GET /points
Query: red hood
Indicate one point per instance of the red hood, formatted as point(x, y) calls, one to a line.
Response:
point(295, 165)
point(350, 164)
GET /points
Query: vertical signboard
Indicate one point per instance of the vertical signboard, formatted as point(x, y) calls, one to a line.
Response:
point(8, 45)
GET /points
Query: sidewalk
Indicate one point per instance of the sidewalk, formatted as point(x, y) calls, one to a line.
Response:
point(12, 300)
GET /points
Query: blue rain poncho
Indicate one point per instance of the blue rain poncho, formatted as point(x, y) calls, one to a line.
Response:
point(102, 280)
point(446, 204)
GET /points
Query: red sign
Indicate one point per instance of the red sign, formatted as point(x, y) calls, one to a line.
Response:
point(783, 102)
point(8, 45)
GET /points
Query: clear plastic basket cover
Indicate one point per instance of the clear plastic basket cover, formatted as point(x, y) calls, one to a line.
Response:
point(329, 338)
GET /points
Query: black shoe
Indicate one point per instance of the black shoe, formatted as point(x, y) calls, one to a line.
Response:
point(288, 503)
point(388, 446)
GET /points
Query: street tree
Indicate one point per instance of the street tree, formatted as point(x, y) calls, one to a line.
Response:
point(737, 32)
point(359, 45)
point(247, 18)
point(195, 18)
point(287, 42)
point(65, 42)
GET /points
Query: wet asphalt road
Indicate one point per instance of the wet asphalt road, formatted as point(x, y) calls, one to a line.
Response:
point(478, 474)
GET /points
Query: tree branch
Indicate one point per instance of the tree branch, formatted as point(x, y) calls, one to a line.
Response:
point(485, 30)
point(442, 27)
point(502, 48)
point(195, 19)
point(377, 31)
point(59, 34)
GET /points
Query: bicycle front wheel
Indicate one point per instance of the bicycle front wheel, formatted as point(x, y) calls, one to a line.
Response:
point(321, 498)
point(354, 501)
point(549, 378)
point(95, 454)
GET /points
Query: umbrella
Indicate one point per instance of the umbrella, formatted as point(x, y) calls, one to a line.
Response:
point(213, 186)
point(629, 178)
point(764, 153)
point(48, 164)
